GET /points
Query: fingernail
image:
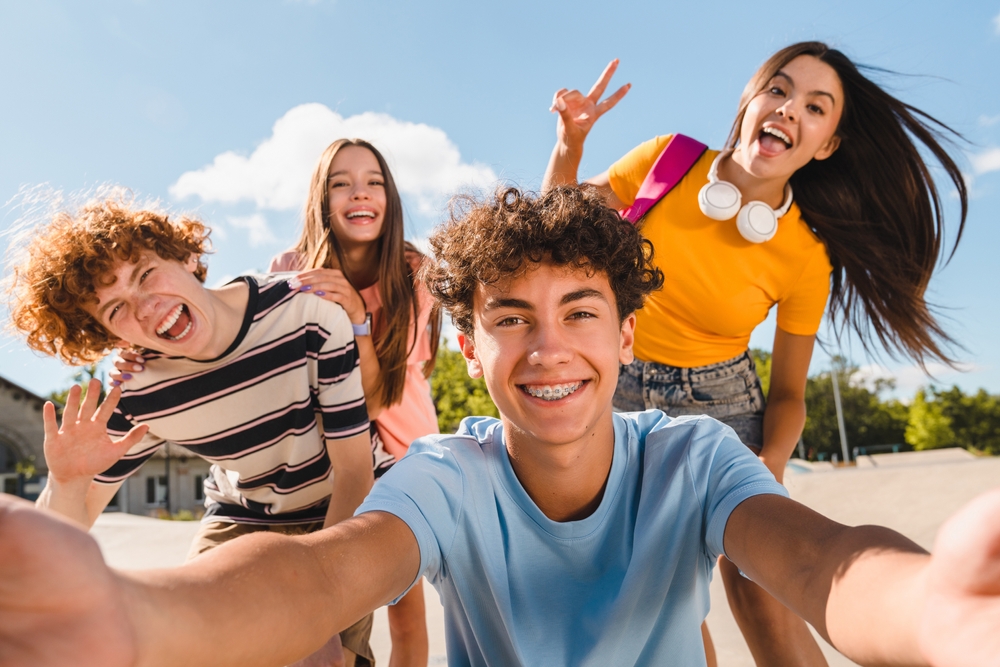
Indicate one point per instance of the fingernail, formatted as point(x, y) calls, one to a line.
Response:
point(560, 105)
point(126, 376)
point(115, 383)
point(319, 292)
point(294, 284)
point(306, 288)
point(140, 360)
point(136, 367)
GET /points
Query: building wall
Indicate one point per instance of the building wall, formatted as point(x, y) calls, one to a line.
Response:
point(22, 433)
point(144, 492)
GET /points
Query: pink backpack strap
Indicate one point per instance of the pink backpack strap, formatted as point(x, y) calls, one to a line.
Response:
point(676, 160)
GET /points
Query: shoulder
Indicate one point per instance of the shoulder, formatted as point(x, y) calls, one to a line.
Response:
point(290, 260)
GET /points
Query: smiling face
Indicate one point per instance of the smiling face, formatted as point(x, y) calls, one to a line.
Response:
point(549, 344)
point(159, 304)
point(356, 197)
point(792, 121)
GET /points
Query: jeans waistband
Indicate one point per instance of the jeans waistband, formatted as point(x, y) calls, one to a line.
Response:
point(739, 365)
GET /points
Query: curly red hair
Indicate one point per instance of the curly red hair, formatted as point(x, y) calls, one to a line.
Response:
point(74, 254)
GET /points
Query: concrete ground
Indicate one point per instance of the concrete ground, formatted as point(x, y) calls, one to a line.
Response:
point(909, 492)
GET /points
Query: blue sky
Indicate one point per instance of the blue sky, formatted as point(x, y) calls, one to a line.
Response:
point(220, 109)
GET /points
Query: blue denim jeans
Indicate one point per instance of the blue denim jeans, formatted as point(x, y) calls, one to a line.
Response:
point(728, 391)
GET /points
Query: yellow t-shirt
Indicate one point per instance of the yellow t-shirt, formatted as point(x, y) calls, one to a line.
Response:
point(718, 286)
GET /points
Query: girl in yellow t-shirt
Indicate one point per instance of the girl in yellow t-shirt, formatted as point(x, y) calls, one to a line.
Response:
point(864, 227)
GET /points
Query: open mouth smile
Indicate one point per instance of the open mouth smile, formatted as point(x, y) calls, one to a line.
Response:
point(774, 140)
point(360, 214)
point(551, 392)
point(176, 325)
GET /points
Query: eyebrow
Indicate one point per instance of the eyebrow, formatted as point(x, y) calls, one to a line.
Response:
point(494, 303)
point(131, 279)
point(344, 171)
point(811, 92)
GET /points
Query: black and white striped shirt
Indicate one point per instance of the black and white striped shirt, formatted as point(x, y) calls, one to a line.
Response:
point(253, 411)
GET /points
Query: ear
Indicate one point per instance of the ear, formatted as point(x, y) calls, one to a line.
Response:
point(829, 148)
point(191, 263)
point(626, 339)
point(469, 352)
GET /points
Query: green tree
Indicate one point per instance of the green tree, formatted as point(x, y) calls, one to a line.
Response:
point(928, 427)
point(455, 394)
point(762, 359)
point(868, 421)
point(949, 417)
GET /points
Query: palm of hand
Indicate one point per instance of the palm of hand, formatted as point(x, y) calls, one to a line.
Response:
point(960, 624)
point(81, 447)
point(59, 603)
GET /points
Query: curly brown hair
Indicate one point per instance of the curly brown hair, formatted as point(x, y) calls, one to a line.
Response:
point(496, 239)
point(73, 255)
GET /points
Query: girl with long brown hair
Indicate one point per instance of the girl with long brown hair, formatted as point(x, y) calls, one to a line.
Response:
point(352, 252)
point(830, 162)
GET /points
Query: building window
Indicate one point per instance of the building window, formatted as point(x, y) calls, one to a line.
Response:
point(199, 488)
point(156, 490)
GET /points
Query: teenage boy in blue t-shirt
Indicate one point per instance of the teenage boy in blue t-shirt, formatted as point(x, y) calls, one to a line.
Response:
point(561, 534)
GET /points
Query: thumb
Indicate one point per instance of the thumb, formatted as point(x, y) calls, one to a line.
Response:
point(132, 438)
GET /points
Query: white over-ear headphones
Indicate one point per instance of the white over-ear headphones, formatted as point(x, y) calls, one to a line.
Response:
point(721, 200)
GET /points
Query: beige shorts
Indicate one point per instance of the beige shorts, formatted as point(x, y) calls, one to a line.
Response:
point(214, 533)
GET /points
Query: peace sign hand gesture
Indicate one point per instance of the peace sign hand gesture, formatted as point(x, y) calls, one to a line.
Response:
point(578, 112)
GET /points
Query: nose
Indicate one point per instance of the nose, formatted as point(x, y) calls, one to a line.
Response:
point(548, 346)
point(789, 109)
point(145, 306)
point(360, 192)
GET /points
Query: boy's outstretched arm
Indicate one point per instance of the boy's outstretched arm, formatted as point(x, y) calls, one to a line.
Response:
point(876, 596)
point(264, 599)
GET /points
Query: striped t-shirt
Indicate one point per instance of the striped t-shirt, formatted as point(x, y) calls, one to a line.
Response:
point(253, 411)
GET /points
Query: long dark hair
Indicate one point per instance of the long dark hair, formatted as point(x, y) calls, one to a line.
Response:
point(396, 275)
point(876, 207)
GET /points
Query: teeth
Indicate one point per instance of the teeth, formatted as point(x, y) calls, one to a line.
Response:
point(170, 321)
point(778, 133)
point(360, 214)
point(181, 334)
point(553, 393)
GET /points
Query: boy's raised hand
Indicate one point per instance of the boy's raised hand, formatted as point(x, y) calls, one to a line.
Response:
point(578, 112)
point(961, 623)
point(81, 448)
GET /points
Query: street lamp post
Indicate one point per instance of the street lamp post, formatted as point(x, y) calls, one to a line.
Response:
point(840, 411)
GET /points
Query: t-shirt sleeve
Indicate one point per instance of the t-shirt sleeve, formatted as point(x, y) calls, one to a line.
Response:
point(801, 310)
point(118, 425)
point(426, 490)
point(726, 473)
point(338, 375)
point(627, 174)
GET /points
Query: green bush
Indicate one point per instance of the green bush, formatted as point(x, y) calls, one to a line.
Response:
point(456, 395)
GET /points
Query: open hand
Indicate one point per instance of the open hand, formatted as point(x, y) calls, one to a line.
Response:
point(961, 624)
point(332, 285)
point(578, 112)
point(59, 603)
point(81, 447)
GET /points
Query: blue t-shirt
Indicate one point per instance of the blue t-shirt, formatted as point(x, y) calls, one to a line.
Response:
point(628, 585)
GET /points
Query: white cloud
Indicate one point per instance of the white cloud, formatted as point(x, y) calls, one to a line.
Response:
point(987, 161)
point(996, 23)
point(425, 163)
point(256, 225)
point(989, 121)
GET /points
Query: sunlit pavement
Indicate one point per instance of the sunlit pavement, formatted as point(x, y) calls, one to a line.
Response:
point(909, 492)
